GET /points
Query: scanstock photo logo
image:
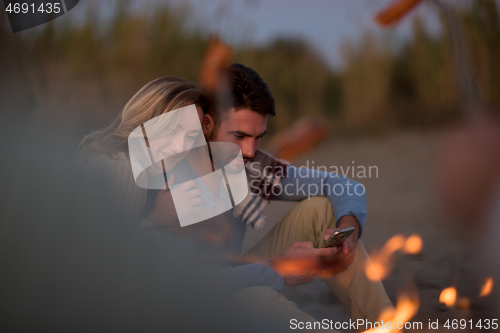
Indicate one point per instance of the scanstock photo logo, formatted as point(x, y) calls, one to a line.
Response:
point(171, 149)
point(26, 14)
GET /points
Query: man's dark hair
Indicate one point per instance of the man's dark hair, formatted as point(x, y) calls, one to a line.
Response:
point(249, 91)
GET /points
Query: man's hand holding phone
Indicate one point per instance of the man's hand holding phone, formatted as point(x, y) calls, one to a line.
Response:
point(345, 256)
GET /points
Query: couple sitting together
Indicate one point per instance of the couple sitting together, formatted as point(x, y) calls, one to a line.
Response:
point(179, 184)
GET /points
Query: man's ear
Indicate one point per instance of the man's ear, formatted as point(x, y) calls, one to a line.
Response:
point(207, 125)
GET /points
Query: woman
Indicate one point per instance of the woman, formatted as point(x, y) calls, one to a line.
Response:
point(168, 141)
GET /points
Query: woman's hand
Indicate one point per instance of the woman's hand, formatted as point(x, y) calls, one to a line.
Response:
point(187, 203)
point(187, 199)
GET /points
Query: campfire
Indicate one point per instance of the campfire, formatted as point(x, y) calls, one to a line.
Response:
point(406, 308)
point(381, 262)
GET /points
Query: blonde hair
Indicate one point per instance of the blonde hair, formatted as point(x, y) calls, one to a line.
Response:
point(154, 99)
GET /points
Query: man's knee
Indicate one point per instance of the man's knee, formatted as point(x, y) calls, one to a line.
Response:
point(318, 208)
point(315, 204)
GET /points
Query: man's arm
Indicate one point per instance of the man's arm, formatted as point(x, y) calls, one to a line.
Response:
point(299, 264)
point(347, 196)
point(348, 201)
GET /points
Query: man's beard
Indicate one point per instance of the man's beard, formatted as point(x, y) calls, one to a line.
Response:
point(223, 161)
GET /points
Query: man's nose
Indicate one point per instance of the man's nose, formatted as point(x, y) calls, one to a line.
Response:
point(248, 149)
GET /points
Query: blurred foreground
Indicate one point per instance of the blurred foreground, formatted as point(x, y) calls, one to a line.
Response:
point(71, 262)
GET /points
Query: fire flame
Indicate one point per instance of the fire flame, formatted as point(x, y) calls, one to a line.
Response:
point(463, 303)
point(393, 244)
point(413, 244)
point(216, 59)
point(380, 264)
point(406, 308)
point(299, 139)
point(377, 268)
point(487, 287)
point(294, 267)
point(448, 296)
point(395, 11)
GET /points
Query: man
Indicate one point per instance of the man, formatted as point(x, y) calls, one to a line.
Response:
point(300, 234)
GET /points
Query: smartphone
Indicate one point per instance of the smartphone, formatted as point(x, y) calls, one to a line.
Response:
point(338, 238)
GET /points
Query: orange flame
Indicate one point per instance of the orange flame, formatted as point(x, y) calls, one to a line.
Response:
point(464, 303)
point(393, 244)
point(448, 296)
point(214, 64)
point(286, 267)
point(406, 308)
point(487, 287)
point(300, 138)
point(380, 263)
point(413, 244)
point(395, 11)
point(379, 266)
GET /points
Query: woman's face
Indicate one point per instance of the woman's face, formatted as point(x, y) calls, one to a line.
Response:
point(173, 146)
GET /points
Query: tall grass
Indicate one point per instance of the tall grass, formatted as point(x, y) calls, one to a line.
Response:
point(85, 73)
